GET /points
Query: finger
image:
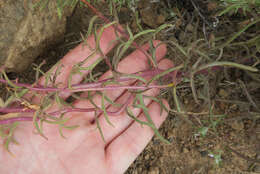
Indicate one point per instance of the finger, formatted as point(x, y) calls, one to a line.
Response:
point(135, 62)
point(122, 121)
point(78, 54)
point(133, 140)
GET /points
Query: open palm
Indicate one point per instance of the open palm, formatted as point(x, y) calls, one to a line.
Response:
point(84, 151)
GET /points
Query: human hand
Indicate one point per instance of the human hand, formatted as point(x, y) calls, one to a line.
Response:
point(83, 150)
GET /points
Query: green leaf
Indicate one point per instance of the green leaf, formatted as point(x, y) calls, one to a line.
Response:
point(37, 68)
point(36, 124)
point(59, 8)
point(131, 40)
point(182, 50)
point(58, 121)
point(150, 121)
point(112, 102)
point(90, 26)
point(225, 63)
point(61, 102)
point(100, 130)
point(9, 81)
point(61, 133)
point(203, 131)
point(57, 72)
point(21, 93)
point(133, 76)
point(176, 100)
point(66, 127)
point(131, 115)
point(152, 51)
point(70, 127)
point(10, 137)
point(159, 101)
point(103, 107)
point(101, 32)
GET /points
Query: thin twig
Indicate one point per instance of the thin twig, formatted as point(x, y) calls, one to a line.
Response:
point(190, 113)
point(242, 84)
point(243, 156)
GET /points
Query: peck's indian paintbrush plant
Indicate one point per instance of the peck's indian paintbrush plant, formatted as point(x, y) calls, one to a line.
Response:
point(22, 107)
point(34, 102)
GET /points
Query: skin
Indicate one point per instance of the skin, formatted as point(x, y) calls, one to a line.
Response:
point(83, 150)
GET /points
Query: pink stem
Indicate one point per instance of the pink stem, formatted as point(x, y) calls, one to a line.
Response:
point(66, 110)
point(88, 85)
point(12, 120)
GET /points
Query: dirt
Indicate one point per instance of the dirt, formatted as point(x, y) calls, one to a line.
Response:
point(221, 137)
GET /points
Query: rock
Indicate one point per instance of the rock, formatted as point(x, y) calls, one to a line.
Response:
point(189, 28)
point(26, 31)
point(222, 93)
point(160, 19)
point(135, 172)
point(212, 6)
point(149, 15)
point(154, 170)
point(185, 150)
point(147, 156)
point(237, 125)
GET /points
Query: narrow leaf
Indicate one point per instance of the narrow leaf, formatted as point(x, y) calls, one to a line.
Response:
point(146, 113)
point(103, 107)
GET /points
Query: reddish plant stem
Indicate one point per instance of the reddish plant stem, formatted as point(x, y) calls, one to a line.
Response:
point(143, 74)
point(62, 111)
point(100, 15)
point(12, 120)
point(97, 88)
point(89, 86)
point(99, 85)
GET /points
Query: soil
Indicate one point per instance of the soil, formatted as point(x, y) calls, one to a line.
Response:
point(220, 135)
